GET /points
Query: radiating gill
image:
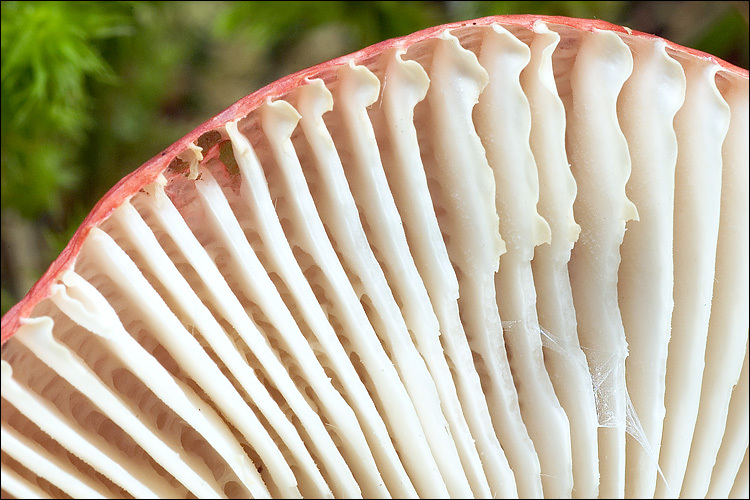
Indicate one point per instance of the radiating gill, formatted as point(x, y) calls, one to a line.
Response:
point(338, 209)
point(467, 199)
point(696, 212)
point(598, 155)
point(563, 357)
point(505, 137)
point(393, 120)
point(646, 108)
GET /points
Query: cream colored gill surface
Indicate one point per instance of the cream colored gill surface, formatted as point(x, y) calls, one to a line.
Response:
point(84, 304)
point(463, 190)
point(359, 88)
point(598, 154)
point(43, 406)
point(37, 336)
point(563, 357)
point(727, 469)
point(646, 108)
point(393, 120)
point(258, 287)
point(40, 461)
point(79, 442)
point(20, 487)
point(345, 236)
point(397, 291)
point(250, 341)
point(421, 275)
point(385, 232)
point(728, 324)
point(228, 399)
point(701, 125)
point(333, 292)
point(255, 193)
point(503, 121)
point(741, 487)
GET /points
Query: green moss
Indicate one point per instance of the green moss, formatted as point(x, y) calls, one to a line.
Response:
point(49, 53)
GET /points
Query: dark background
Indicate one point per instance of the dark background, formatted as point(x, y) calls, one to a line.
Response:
point(91, 90)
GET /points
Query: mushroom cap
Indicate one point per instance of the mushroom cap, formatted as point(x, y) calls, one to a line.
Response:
point(149, 171)
point(505, 257)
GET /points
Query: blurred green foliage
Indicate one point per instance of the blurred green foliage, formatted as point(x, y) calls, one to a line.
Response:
point(91, 90)
point(48, 55)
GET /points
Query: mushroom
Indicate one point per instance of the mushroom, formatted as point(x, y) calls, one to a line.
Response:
point(502, 257)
